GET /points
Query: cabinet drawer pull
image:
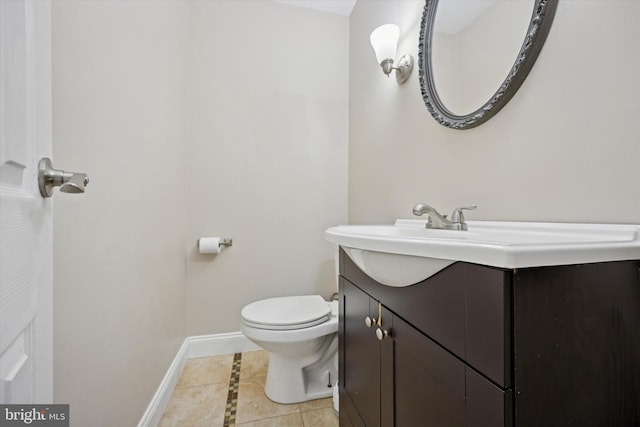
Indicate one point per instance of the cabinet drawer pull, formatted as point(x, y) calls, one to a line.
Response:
point(381, 334)
point(369, 321)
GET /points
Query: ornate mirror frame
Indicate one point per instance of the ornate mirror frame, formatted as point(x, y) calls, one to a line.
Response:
point(541, 19)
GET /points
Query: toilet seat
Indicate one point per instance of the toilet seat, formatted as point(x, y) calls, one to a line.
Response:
point(287, 313)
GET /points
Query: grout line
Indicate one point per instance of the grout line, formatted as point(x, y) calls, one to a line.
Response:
point(232, 396)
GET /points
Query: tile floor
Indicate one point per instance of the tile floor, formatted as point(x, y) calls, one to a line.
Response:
point(206, 385)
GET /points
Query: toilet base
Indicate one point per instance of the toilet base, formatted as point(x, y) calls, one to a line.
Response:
point(295, 380)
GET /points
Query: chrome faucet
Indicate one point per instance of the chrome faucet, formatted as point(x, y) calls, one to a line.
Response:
point(438, 221)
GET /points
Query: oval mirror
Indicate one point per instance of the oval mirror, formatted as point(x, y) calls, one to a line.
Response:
point(473, 55)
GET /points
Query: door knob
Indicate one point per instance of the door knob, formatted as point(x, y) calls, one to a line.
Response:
point(69, 182)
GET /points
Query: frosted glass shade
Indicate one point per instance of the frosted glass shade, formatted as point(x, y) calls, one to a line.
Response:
point(384, 41)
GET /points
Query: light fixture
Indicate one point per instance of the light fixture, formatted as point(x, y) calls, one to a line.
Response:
point(384, 41)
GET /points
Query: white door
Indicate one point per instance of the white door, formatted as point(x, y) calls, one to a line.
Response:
point(26, 250)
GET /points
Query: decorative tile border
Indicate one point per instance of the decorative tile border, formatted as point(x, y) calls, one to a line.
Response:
point(232, 397)
point(192, 347)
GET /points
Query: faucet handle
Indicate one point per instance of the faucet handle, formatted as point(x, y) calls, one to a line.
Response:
point(457, 217)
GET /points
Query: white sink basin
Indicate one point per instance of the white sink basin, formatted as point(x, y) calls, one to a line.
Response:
point(406, 253)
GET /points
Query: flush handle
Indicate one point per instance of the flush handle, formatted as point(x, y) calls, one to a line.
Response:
point(69, 182)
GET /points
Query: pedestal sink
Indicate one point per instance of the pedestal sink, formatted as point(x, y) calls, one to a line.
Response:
point(406, 252)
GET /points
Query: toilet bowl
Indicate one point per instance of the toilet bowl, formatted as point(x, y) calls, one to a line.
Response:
point(301, 335)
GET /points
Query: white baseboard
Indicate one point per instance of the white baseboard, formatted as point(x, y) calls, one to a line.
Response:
point(213, 345)
point(192, 347)
point(152, 415)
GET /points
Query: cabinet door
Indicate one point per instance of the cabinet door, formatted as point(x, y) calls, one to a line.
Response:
point(360, 357)
point(577, 345)
point(429, 381)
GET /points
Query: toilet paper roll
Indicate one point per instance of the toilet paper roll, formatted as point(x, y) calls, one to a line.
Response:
point(209, 245)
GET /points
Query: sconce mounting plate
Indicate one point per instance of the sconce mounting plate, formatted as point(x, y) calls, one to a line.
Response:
point(403, 69)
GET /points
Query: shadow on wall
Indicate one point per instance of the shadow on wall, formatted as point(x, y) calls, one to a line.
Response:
point(327, 282)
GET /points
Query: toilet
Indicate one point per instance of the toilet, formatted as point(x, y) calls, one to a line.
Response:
point(301, 335)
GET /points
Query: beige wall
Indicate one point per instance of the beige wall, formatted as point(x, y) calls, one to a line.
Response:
point(119, 288)
point(267, 157)
point(194, 118)
point(565, 148)
point(210, 118)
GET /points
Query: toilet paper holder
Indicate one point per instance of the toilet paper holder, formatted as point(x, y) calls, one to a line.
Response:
point(224, 241)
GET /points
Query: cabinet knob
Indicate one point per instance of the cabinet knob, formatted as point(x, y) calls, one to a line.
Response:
point(369, 321)
point(381, 334)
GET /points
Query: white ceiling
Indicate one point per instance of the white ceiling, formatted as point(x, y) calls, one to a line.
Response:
point(340, 7)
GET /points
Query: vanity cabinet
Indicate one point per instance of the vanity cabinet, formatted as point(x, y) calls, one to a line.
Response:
point(482, 346)
point(410, 378)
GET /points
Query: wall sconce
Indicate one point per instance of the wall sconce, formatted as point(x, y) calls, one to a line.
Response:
point(384, 41)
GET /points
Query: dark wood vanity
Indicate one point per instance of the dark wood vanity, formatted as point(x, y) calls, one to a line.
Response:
point(489, 347)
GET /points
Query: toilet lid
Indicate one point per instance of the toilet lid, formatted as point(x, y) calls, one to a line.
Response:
point(287, 312)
